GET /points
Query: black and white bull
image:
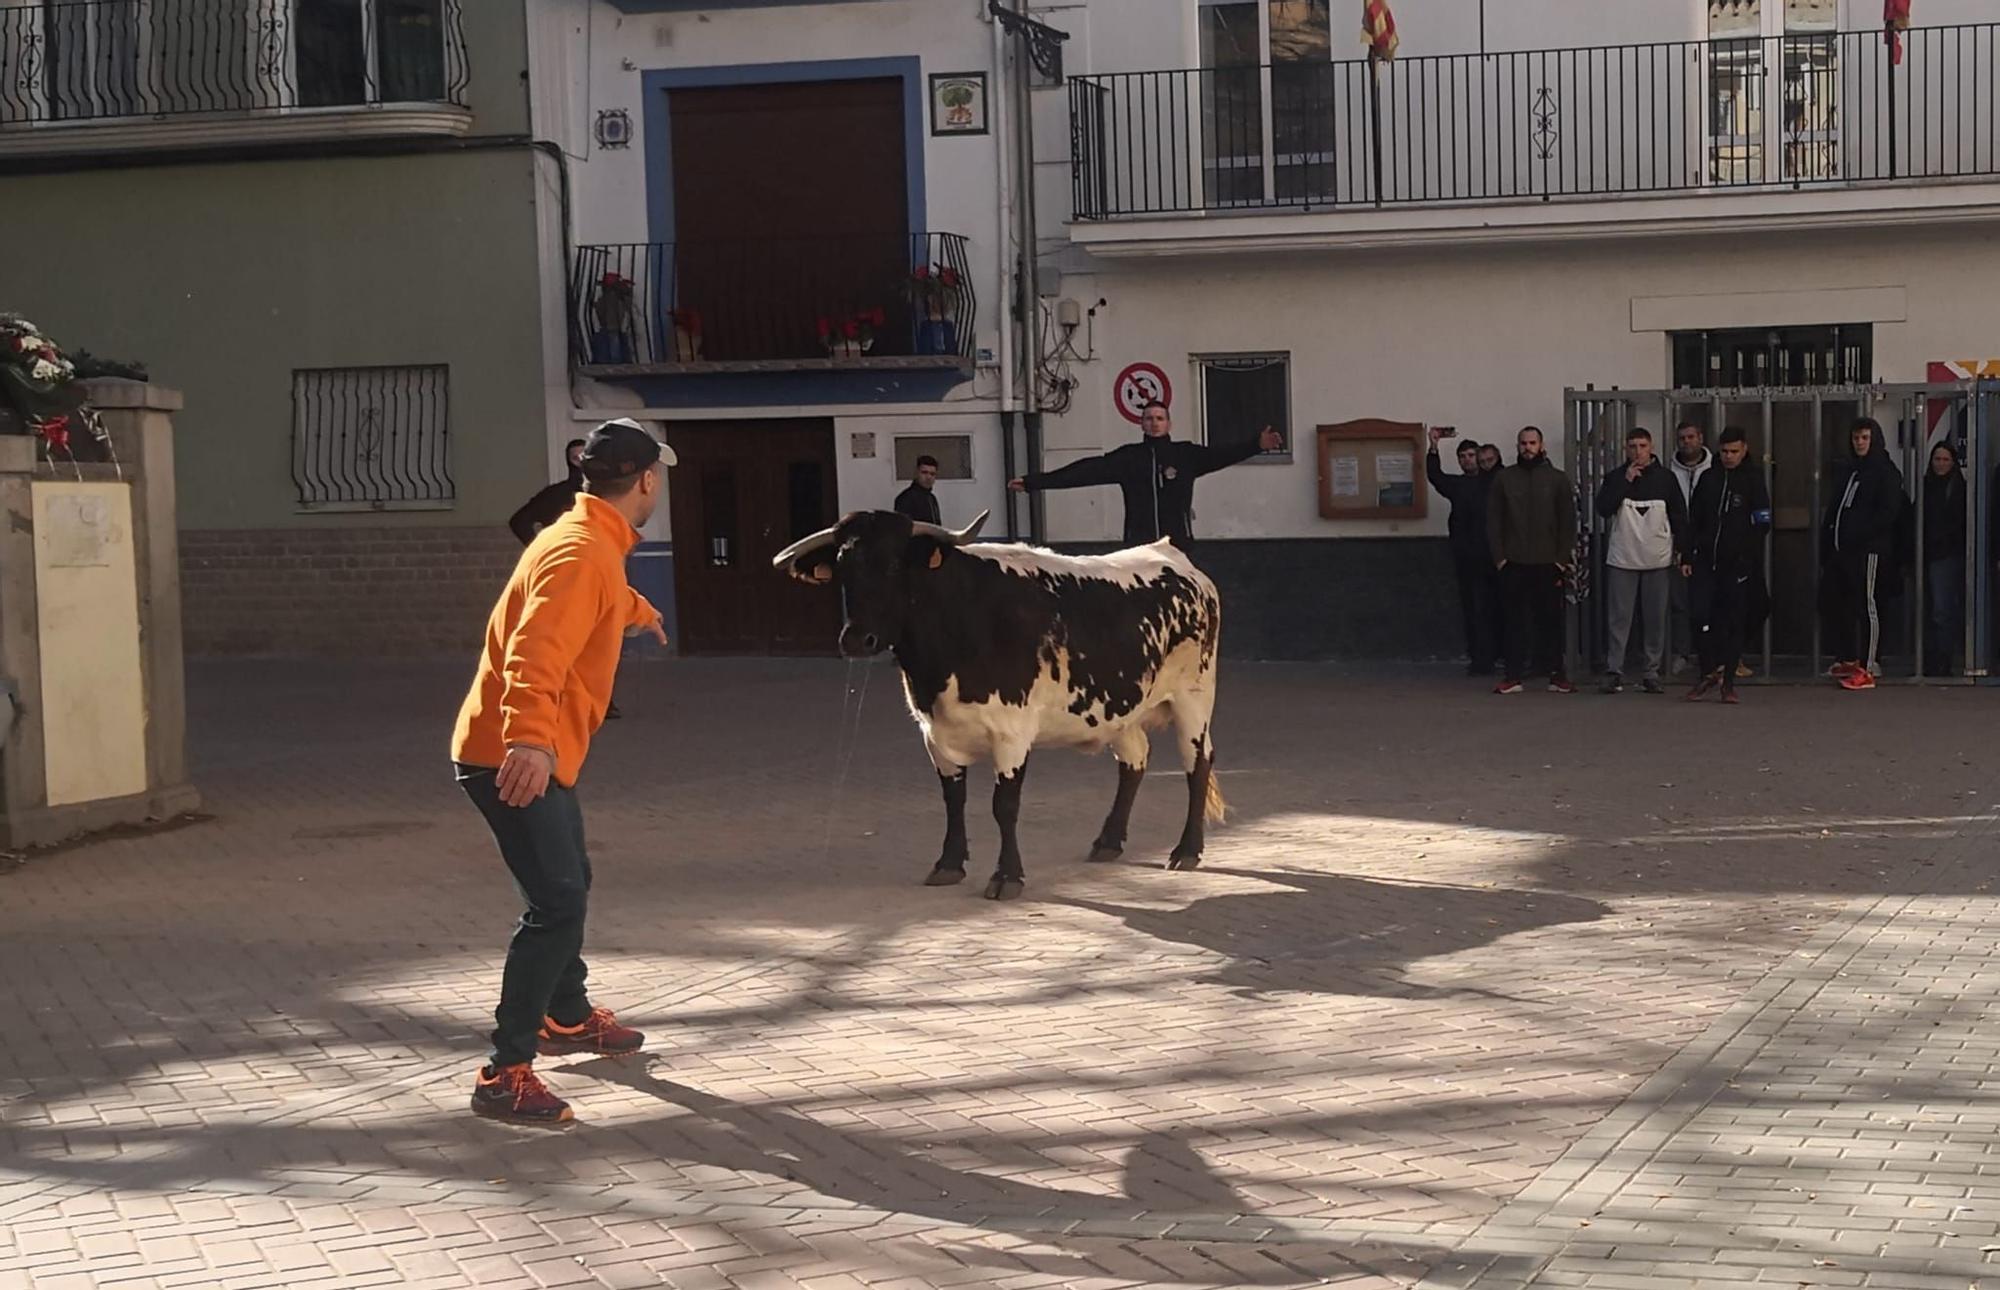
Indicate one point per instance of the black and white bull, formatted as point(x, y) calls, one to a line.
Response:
point(1006, 648)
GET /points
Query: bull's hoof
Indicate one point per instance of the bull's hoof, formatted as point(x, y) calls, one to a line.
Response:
point(1183, 862)
point(1004, 888)
point(943, 877)
point(1104, 852)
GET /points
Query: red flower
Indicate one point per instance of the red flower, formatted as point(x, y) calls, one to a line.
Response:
point(825, 328)
point(612, 280)
point(54, 432)
point(922, 273)
point(851, 329)
point(688, 320)
point(877, 316)
point(948, 276)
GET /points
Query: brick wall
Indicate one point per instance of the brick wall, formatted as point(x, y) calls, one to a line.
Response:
point(378, 590)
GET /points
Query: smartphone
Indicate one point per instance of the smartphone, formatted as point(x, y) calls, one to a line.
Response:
point(1447, 432)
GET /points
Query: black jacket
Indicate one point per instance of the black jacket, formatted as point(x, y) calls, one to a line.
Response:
point(1531, 515)
point(1467, 495)
point(1944, 516)
point(919, 504)
point(1731, 515)
point(1655, 484)
point(546, 507)
point(1866, 507)
point(1157, 478)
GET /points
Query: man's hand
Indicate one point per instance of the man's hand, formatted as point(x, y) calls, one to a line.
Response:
point(1436, 433)
point(657, 629)
point(1687, 570)
point(1017, 485)
point(1270, 440)
point(1632, 473)
point(524, 775)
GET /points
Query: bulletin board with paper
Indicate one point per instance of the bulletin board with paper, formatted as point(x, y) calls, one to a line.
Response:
point(1372, 470)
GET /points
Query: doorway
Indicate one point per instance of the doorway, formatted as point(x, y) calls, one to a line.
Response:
point(791, 204)
point(744, 491)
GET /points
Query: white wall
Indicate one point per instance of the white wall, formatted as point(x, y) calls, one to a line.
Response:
point(1483, 339)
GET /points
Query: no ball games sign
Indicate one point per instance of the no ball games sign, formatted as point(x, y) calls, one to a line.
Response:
point(1138, 385)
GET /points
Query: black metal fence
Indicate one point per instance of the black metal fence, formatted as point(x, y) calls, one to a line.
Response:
point(1792, 110)
point(88, 60)
point(372, 438)
point(648, 304)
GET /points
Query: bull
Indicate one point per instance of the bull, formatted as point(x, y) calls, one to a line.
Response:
point(1006, 648)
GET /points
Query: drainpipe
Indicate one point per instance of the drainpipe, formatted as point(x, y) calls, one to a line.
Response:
point(1029, 294)
point(1003, 161)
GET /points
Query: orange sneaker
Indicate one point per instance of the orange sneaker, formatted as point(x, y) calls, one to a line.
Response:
point(1859, 679)
point(598, 1033)
point(517, 1094)
point(1841, 671)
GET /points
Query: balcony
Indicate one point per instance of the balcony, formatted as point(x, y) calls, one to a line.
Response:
point(889, 302)
point(93, 76)
point(1688, 120)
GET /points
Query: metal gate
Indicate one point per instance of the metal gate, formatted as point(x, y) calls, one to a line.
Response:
point(1797, 436)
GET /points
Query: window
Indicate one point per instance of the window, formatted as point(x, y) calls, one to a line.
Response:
point(1238, 39)
point(1243, 393)
point(953, 453)
point(1747, 357)
point(372, 438)
point(1773, 51)
point(98, 59)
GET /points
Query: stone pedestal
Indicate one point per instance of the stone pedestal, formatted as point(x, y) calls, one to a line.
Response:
point(93, 709)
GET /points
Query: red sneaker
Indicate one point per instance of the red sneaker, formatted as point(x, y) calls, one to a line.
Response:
point(1841, 671)
point(1561, 685)
point(517, 1094)
point(1859, 679)
point(1507, 687)
point(597, 1033)
point(1729, 693)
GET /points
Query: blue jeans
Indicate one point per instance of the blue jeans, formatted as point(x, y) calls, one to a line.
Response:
point(1944, 590)
point(542, 844)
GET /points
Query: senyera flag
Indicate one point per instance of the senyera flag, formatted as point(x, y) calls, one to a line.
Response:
point(1378, 28)
point(1895, 21)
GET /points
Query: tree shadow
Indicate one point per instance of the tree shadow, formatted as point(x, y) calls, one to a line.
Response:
point(1339, 934)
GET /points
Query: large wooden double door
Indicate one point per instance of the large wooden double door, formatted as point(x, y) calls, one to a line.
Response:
point(742, 492)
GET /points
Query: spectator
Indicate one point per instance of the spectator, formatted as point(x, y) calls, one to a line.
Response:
point(1944, 559)
point(1727, 524)
point(1531, 525)
point(919, 500)
point(1156, 476)
point(1858, 540)
point(1489, 458)
point(1691, 461)
point(1472, 560)
point(1642, 556)
point(553, 502)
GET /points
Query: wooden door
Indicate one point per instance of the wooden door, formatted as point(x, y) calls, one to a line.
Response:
point(791, 203)
point(744, 491)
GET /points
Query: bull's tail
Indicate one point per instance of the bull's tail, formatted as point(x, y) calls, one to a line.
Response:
point(1215, 808)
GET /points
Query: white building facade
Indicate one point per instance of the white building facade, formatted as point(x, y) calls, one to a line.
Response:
point(1689, 195)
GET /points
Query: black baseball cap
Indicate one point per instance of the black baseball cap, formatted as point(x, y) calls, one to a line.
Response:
point(618, 449)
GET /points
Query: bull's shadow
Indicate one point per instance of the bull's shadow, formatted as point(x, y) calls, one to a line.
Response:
point(1338, 934)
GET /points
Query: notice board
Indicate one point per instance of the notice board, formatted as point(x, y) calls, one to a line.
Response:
point(1372, 470)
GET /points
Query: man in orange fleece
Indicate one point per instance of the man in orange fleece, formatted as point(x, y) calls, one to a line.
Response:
point(543, 684)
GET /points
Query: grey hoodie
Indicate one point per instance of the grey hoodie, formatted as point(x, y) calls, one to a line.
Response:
point(1689, 476)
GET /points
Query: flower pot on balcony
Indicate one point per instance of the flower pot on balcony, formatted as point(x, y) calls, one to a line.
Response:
point(849, 347)
point(937, 336)
point(687, 345)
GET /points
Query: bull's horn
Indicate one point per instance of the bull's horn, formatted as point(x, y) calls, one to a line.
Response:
point(938, 533)
point(822, 538)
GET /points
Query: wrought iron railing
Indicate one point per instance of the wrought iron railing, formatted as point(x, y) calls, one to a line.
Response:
point(1687, 116)
point(372, 438)
point(859, 300)
point(94, 60)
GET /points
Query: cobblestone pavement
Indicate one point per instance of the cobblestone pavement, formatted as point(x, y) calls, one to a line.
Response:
point(1472, 992)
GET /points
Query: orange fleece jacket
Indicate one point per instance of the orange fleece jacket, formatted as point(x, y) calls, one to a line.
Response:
point(552, 643)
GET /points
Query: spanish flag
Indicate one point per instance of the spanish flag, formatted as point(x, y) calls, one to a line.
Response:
point(1895, 21)
point(1378, 27)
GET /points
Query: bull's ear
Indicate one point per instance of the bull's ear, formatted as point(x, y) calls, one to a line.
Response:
point(926, 553)
point(815, 568)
